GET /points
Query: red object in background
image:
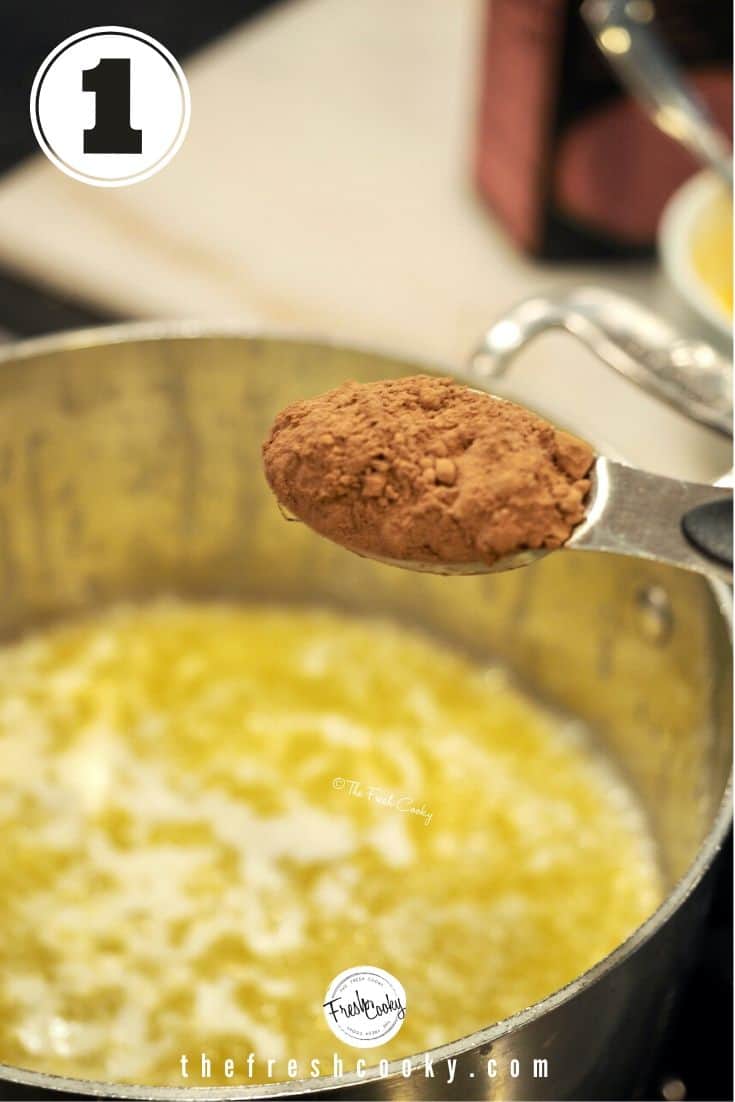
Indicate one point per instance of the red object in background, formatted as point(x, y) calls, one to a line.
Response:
point(615, 170)
point(572, 166)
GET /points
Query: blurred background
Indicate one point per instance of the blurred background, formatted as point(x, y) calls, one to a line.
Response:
point(392, 172)
point(399, 173)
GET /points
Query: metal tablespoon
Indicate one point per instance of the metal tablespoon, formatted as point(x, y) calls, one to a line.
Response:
point(624, 31)
point(635, 513)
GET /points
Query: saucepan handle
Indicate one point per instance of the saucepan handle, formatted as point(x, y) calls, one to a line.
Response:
point(687, 374)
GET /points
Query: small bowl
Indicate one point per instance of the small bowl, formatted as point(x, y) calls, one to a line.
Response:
point(682, 219)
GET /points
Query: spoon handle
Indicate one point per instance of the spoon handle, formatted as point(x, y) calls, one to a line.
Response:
point(644, 515)
point(625, 34)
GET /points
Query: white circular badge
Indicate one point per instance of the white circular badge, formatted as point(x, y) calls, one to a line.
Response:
point(110, 106)
point(365, 1006)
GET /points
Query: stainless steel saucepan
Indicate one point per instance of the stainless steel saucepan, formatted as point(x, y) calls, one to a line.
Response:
point(130, 465)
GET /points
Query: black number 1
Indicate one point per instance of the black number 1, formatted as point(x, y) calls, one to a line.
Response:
point(112, 132)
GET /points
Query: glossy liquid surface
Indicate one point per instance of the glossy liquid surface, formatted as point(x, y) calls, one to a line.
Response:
point(186, 863)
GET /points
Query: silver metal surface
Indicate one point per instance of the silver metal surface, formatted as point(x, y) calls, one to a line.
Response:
point(632, 512)
point(130, 466)
point(625, 33)
point(688, 375)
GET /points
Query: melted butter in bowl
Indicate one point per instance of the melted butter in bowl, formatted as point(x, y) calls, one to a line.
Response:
point(712, 249)
point(208, 812)
point(696, 243)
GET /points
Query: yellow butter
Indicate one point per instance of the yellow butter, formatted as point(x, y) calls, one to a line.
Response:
point(207, 812)
point(712, 249)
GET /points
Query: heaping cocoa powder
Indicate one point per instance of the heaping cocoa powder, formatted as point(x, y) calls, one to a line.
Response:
point(425, 469)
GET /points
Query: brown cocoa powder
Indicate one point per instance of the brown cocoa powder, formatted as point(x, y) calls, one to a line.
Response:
point(425, 469)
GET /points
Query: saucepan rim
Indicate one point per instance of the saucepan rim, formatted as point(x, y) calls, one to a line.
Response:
point(154, 332)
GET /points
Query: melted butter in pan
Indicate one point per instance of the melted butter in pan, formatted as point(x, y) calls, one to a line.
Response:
point(186, 865)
